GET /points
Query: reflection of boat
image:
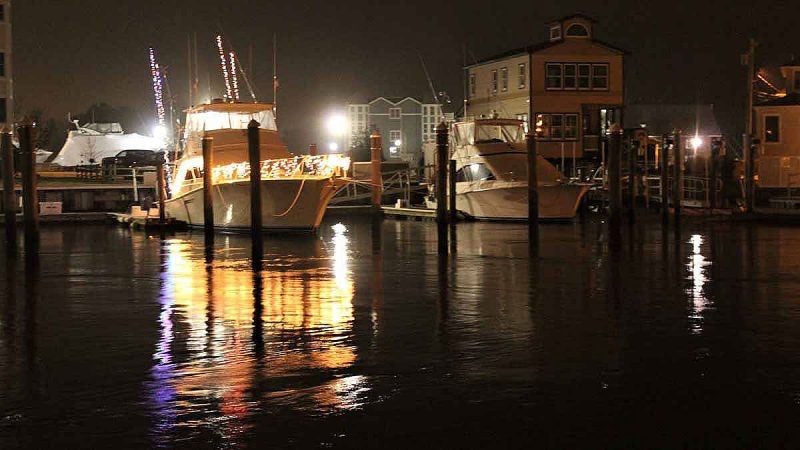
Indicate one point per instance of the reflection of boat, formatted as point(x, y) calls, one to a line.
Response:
point(491, 174)
point(294, 190)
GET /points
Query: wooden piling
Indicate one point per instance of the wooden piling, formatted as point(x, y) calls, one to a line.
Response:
point(716, 146)
point(664, 169)
point(254, 153)
point(312, 150)
point(533, 192)
point(749, 171)
point(375, 168)
point(9, 195)
point(442, 156)
point(161, 181)
point(677, 190)
point(451, 198)
point(614, 176)
point(208, 197)
point(30, 195)
point(633, 151)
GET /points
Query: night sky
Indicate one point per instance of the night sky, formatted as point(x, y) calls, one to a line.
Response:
point(70, 54)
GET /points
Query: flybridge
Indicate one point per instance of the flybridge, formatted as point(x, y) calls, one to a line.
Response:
point(228, 116)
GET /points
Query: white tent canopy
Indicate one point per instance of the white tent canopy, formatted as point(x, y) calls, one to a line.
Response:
point(88, 146)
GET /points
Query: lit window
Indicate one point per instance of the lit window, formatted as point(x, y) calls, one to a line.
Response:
point(524, 118)
point(394, 135)
point(394, 113)
point(772, 129)
point(557, 126)
point(553, 76)
point(521, 76)
point(504, 78)
point(494, 82)
point(599, 76)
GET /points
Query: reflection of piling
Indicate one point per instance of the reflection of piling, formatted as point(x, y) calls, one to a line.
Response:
point(749, 172)
point(614, 176)
point(375, 168)
point(30, 196)
point(451, 185)
point(312, 150)
point(664, 168)
point(254, 152)
point(208, 199)
point(9, 196)
point(161, 181)
point(442, 155)
point(533, 192)
point(677, 191)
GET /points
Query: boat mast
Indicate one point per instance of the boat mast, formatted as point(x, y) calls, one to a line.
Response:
point(275, 74)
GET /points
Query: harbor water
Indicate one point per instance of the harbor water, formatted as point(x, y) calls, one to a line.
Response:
point(361, 336)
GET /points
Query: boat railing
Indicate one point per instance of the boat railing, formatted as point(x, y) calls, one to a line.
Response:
point(298, 166)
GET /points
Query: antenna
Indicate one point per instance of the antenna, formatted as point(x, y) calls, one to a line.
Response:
point(428, 76)
point(275, 73)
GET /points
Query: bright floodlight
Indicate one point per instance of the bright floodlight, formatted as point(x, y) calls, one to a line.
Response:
point(160, 132)
point(337, 125)
point(696, 142)
point(397, 142)
point(333, 146)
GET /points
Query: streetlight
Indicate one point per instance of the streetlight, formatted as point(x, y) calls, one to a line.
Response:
point(338, 127)
point(696, 142)
point(333, 147)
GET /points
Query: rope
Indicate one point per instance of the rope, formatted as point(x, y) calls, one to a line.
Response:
point(296, 198)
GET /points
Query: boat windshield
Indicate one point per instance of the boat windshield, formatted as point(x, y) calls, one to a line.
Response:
point(481, 133)
point(199, 122)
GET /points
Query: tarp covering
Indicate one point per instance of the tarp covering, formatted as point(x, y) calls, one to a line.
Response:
point(82, 148)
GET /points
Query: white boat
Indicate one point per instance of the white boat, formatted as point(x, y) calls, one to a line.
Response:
point(90, 143)
point(295, 190)
point(492, 178)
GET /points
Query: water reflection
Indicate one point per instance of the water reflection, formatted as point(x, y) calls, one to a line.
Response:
point(224, 329)
point(698, 268)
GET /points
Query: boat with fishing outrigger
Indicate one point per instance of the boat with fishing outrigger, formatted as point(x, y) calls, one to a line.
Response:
point(295, 190)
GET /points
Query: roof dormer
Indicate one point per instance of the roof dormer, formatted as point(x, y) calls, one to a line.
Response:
point(576, 26)
point(791, 73)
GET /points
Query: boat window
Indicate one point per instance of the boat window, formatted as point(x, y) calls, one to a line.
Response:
point(486, 133)
point(198, 122)
point(474, 172)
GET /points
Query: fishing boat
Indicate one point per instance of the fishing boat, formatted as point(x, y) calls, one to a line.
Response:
point(295, 190)
point(492, 178)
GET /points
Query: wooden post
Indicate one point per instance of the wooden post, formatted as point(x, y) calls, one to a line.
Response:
point(312, 150)
point(451, 184)
point(678, 177)
point(533, 192)
point(30, 196)
point(664, 157)
point(442, 156)
point(375, 168)
point(749, 172)
point(716, 146)
point(254, 153)
point(208, 193)
point(9, 195)
point(161, 181)
point(614, 176)
point(633, 151)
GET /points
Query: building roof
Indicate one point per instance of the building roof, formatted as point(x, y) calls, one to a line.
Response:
point(537, 48)
point(792, 99)
point(662, 119)
point(794, 62)
point(572, 16)
point(395, 100)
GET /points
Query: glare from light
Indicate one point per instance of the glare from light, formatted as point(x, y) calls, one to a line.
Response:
point(333, 147)
point(339, 228)
point(696, 142)
point(337, 125)
point(160, 133)
point(397, 142)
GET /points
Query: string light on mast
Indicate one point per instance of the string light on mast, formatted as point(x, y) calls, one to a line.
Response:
point(234, 78)
point(225, 75)
point(161, 114)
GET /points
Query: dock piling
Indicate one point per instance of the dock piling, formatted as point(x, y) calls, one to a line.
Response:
point(208, 197)
point(9, 195)
point(161, 181)
point(30, 195)
point(749, 172)
point(633, 152)
point(254, 153)
point(375, 168)
point(442, 156)
point(664, 172)
point(716, 146)
point(312, 150)
point(533, 192)
point(677, 190)
point(614, 176)
point(451, 185)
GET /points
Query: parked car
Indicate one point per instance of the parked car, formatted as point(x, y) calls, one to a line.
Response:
point(133, 158)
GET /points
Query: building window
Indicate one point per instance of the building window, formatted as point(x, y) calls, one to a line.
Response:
point(555, 33)
point(553, 76)
point(2, 13)
point(599, 76)
point(577, 30)
point(394, 135)
point(797, 81)
point(3, 110)
point(557, 126)
point(2, 64)
point(504, 79)
point(521, 78)
point(570, 76)
point(494, 82)
point(584, 76)
point(772, 129)
point(472, 85)
point(394, 113)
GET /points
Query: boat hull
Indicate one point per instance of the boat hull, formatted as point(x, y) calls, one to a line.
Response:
point(286, 204)
point(508, 200)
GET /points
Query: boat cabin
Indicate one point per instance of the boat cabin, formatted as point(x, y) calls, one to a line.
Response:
point(487, 131)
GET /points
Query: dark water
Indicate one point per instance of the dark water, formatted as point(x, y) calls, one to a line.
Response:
point(363, 337)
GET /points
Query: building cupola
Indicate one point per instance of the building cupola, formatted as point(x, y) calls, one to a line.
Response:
point(576, 26)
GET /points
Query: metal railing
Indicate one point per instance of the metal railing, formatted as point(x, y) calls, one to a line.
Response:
point(696, 192)
point(395, 183)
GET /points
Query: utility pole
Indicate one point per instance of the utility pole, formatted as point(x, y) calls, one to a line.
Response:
point(751, 57)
